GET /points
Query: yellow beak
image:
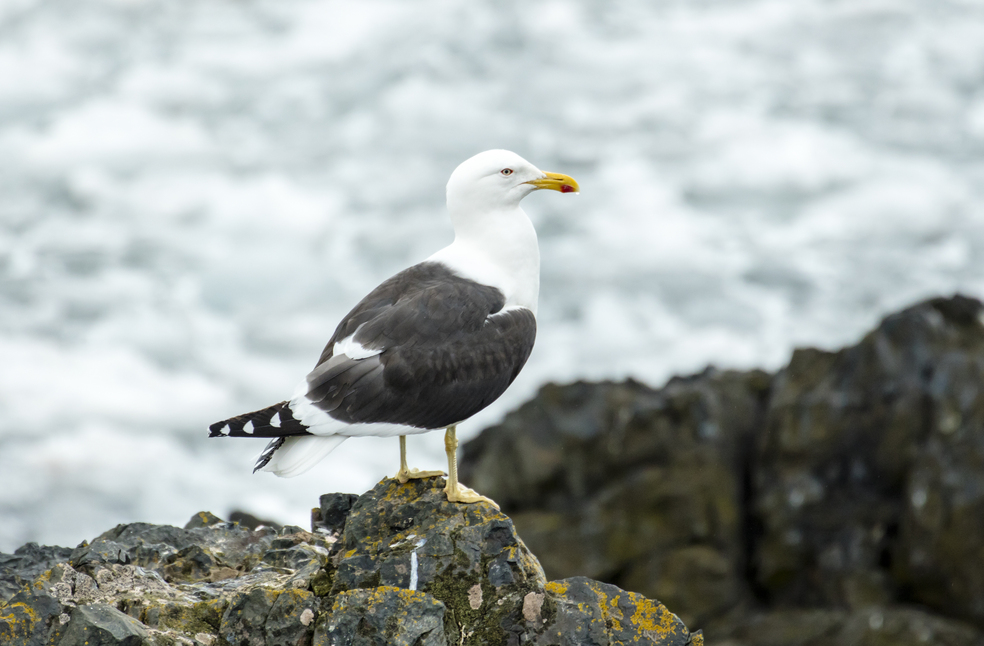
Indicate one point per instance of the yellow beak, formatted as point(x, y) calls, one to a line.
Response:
point(556, 182)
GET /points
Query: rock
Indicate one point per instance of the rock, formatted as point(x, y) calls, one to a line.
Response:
point(864, 453)
point(849, 480)
point(875, 626)
point(25, 564)
point(333, 511)
point(149, 546)
point(27, 618)
point(639, 487)
point(410, 536)
point(469, 558)
point(249, 521)
point(406, 567)
point(101, 625)
point(291, 618)
point(383, 616)
point(616, 616)
point(938, 556)
point(203, 519)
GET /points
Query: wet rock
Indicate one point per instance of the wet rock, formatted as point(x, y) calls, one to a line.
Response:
point(640, 487)
point(383, 616)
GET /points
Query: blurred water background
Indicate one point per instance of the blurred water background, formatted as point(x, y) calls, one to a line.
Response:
point(192, 192)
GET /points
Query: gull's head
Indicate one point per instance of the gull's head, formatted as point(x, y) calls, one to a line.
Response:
point(499, 179)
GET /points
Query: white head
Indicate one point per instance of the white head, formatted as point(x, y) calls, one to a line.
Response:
point(494, 242)
point(497, 180)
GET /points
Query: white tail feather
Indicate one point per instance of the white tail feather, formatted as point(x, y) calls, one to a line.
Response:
point(298, 454)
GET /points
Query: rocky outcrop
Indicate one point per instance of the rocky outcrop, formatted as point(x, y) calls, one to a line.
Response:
point(26, 564)
point(397, 565)
point(640, 487)
point(840, 500)
point(869, 481)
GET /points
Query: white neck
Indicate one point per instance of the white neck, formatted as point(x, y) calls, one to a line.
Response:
point(496, 248)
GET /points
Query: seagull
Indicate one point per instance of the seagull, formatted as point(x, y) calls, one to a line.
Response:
point(429, 347)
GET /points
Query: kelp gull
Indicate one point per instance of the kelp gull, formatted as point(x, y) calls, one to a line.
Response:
point(429, 347)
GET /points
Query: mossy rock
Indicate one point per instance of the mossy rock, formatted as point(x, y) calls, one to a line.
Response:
point(383, 616)
point(408, 567)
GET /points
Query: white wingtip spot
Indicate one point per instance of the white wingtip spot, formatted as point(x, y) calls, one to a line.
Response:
point(224, 429)
point(353, 349)
point(248, 428)
point(275, 420)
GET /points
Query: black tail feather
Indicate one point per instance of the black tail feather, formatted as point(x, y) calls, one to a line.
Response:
point(274, 421)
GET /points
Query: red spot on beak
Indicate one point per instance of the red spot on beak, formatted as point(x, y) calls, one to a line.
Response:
point(566, 189)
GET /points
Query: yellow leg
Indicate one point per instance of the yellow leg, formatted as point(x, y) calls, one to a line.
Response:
point(455, 491)
point(406, 474)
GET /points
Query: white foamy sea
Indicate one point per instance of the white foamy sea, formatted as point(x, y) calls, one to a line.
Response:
point(192, 192)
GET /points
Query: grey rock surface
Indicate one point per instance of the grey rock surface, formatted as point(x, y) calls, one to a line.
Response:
point(383, 616)
point(643, 488)
point(26, 563)
point(101, 625)
point(868, 478)
point(849, 481)
point(491, 586)
point(397, 565)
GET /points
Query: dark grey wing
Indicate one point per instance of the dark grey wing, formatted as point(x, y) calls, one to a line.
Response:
point(447, 350)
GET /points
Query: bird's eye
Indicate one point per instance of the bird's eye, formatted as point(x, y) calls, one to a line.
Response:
point(506, 171)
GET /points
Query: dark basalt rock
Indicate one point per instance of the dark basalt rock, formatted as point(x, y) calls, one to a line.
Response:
point(229, 546)
point(470, 559)
point(639, 487)
point(28, 617)
point(383, 616)
point(249, 521)
point(616, 616)
point(330, 516)
point(25, 564)
point(101, 625)
point(398, 565)
point(269, 617)
point(848, 482)
point(869, 485)
point(875, 626)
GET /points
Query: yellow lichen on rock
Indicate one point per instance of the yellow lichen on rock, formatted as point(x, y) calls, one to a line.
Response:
point(610, 611)
point(18, 622)
point(652, 618)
